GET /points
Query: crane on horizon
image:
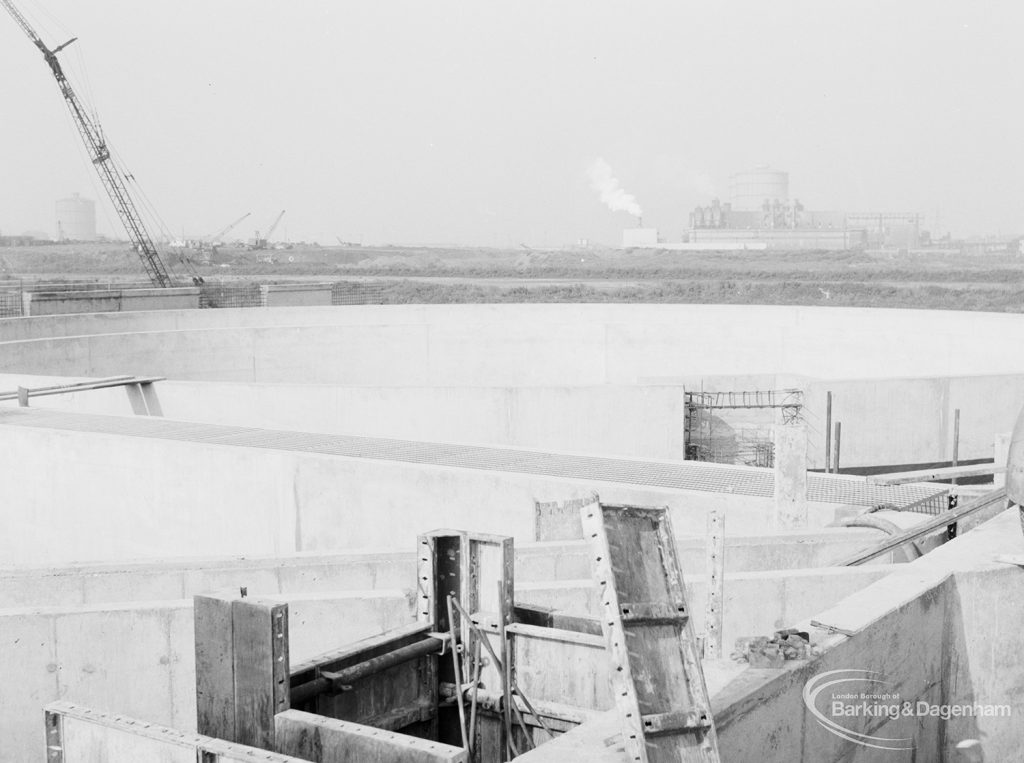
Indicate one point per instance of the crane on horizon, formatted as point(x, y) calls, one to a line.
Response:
point(262, 243)
point(214, 238)
point(111, 176)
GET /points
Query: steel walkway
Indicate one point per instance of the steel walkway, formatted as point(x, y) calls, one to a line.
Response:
point(684, 475)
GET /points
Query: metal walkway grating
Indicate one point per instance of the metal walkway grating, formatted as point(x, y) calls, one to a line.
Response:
point(684, 475)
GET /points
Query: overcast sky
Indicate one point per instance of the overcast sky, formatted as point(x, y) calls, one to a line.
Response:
point(476, 122)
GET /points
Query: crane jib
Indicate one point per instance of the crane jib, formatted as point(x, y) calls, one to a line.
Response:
point(110, 175)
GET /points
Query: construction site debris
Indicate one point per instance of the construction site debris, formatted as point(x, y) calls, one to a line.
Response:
point(764, 652)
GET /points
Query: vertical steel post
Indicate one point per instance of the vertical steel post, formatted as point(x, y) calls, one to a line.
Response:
point(828, 432)
point(715, 614)
point(956, 440)
point(839, 431)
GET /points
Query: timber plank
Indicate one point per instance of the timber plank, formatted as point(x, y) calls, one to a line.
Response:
point(215, 667)
point(327, 740)
point(261, 669)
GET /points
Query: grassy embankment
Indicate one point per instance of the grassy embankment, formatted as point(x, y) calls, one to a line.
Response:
point(992, 282)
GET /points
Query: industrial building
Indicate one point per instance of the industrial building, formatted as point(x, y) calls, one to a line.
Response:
point(75, 219)
point(761, 214)
point(760, 208)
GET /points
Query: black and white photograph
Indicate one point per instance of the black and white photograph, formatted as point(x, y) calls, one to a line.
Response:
point(469, 382)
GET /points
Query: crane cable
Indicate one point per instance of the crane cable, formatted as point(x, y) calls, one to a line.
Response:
point(34, 13)
point(80, 73)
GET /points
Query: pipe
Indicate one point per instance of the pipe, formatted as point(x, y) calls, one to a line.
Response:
point(880, 523)
point(341, 680)
point(457, 667)
point(994, 498)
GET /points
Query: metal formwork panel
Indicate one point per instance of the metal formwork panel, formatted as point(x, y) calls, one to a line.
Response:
point(657, 677)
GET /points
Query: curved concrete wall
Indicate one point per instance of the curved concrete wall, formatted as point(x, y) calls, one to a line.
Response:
point(480, 361)
point(82, 496)
point(631, 421)
point(397, 345)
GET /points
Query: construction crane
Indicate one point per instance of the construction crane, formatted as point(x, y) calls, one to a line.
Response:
point(99, 153)
point(261, 243)
point(227, 229)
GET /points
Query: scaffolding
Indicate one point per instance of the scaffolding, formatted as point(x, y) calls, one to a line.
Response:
point(744, 440)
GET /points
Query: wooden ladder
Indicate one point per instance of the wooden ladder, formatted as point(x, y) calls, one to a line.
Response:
point(657, 678)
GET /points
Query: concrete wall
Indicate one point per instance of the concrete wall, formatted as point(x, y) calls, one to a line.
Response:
point(885, 420)
point(44, 327)
point(756, 603)
point(566, 560)
point(635, 422)
point(501, 347)
point(111, 300)
point(118, 498)
point(94, 584)
point(535, 344)
point(295, 294)
point(984, 656)
point(906, 421)
point(943, 630)
point(984, 638)
point(139, 659)
point(90, 584)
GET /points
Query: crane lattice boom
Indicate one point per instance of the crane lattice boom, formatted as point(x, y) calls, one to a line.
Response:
point(227, 229)
point(273, 227)
point(96, 145)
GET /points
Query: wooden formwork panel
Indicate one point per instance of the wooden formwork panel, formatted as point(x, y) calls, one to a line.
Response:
point(328, 740)
point(560, 666)
point(401, 697)
point(242, 666)
point(657, 677)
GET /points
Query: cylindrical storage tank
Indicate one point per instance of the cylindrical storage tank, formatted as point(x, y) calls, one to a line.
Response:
point(749, 190)
point(76, 219)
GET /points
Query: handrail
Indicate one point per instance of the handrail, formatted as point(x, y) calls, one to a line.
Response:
point(63, 389)
point(934, 523)
point(938, 473)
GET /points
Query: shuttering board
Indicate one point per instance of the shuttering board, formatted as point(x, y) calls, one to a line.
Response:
point(478, 570)
point(242, 666)
point(657, 677)
point(327, 740)
point(75, 734)
point(554, 665)
point(215, 667)
point(440, 573)
point(242, 661)
point(402, 697)
point(261, 668)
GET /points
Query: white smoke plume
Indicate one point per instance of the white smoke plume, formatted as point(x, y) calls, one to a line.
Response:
point(603, 181)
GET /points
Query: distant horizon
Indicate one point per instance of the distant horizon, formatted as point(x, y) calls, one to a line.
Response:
point(399, 122)
point(233, 237)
